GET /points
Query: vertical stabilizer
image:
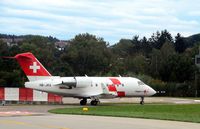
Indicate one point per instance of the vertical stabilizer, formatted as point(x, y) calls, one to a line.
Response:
point(33, 69)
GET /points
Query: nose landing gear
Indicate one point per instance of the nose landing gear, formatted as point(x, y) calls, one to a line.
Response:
point(142, 101)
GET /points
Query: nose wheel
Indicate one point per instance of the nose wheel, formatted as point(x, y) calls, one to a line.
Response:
point(83, 101)
point(142, 101)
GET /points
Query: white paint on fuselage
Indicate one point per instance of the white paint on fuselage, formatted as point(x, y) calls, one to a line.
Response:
point(128, 85)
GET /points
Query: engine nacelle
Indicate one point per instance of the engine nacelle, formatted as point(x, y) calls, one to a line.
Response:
point(82, 82)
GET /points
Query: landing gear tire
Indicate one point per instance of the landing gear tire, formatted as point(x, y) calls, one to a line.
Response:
point(83, 102)
point(142, 101)
point(94, 102)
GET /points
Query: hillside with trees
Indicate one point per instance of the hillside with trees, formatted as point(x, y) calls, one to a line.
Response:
point(164, 62)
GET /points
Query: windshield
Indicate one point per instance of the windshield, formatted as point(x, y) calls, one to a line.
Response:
point(140, 83)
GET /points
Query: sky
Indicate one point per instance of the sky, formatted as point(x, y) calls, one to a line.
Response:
point(110, 19)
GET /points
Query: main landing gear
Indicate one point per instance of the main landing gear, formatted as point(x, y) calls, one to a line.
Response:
point(83, 101)
point(94, 102)
point(142, 101)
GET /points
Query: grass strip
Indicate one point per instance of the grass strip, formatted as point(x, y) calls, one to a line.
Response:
point(176, 112)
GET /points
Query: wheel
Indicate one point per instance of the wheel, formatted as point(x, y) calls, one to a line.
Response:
point(142, 101)
point(83, 102)
point(94, 102)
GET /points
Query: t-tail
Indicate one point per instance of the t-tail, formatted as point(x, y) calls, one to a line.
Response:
point(33, 69)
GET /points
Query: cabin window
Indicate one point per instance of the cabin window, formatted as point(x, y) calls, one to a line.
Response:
point(96, 84)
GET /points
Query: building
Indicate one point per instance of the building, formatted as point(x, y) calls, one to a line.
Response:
point(62, 44)
point(12, 41)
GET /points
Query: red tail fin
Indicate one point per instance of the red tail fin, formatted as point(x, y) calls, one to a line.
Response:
point(30, 65)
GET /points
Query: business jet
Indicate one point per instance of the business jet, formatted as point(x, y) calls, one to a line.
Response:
point(82, 87)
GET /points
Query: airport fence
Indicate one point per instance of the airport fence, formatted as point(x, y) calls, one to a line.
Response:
point(27, 96)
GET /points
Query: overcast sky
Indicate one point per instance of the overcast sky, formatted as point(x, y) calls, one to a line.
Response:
point(110, 19)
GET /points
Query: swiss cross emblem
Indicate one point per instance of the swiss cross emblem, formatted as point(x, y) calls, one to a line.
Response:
point(34, 67)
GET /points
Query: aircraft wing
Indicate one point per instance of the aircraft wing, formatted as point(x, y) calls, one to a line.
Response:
point(104, 92)
point(66, 85)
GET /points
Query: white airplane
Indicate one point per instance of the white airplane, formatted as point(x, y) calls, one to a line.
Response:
point(82, 87)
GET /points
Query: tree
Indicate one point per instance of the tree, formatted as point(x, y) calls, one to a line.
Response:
point(124, 48)
point(88, 54)
point(180, 45)
point(146, 47)
point(158, 39)
point(137, 65)
point(8, 75)
point(155, 63)
point(167, 51)
point(4, 49)
point(159, 60)
point(178, 69)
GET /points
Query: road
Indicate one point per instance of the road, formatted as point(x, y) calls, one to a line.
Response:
point(52, 121)
point(32, 117)
point(171, 100)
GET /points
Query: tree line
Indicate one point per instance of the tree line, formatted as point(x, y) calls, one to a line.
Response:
point(164, 62)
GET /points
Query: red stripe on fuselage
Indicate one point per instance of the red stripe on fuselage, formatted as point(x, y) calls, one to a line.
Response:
point(115, 81)
point(120, 93)
point(112, 88)
point(2, 93)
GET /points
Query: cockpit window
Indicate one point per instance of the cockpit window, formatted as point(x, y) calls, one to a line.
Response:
point(140, 83)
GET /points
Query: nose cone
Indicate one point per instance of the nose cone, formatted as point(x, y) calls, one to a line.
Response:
point(151, 91)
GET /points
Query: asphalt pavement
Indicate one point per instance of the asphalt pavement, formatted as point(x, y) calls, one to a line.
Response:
point(37, 117)
point(53, 121)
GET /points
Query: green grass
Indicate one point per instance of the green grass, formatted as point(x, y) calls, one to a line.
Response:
point(185, 112)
